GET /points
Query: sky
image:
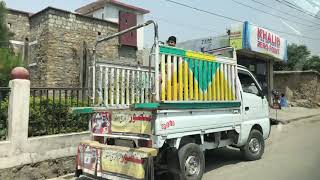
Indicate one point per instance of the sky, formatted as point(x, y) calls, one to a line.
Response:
point(187, 24)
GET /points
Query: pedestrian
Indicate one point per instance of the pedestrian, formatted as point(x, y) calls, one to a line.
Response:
point(283, 101)
point(172, 41)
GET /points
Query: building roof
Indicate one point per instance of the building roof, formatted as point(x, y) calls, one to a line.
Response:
point(31, 15)
point(101, 3)
point(68, 12)
point(20, 12)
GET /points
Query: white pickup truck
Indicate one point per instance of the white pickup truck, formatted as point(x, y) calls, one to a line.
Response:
point(164, 119)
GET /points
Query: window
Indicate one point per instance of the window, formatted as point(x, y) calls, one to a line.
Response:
point(127, 20)
point(102, 16)
point(9, 25)
point(248, 84)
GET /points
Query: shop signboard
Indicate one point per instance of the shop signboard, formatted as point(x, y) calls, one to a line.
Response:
point(236, 36)
point(259, 40)
point(205, 44)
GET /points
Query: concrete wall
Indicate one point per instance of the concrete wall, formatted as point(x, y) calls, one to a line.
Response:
point(298, 85)
point(19, 149)
point(99, 14)
point(111, 13)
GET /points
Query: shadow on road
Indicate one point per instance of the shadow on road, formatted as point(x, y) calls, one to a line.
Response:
point(215, 159)
point(221, 157)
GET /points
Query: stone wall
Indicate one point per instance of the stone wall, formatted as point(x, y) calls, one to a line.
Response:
point(67, 33)
point(38, 53)
point(302, 88)
point(19, 22)
point(55, 57)
point(60, 36)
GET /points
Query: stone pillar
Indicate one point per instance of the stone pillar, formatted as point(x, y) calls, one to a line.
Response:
point(18, 112)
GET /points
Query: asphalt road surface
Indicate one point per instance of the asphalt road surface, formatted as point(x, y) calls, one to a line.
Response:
point(292, 153)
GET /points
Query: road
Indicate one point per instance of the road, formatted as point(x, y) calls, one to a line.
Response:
point(292, 153)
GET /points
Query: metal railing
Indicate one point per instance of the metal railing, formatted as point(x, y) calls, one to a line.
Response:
point(178, 75)
point(4, 99)
point(49, 111)
point(125, 74)
point(120, 86)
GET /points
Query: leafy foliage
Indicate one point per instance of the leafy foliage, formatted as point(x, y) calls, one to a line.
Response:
point(3, 118)
point(312, 63)
point(4, 32)
point(298, 59)
point(8, 60)
point(47, 117)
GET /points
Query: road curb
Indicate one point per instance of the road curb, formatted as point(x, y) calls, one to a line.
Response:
point(292, 120)
point(67, 176)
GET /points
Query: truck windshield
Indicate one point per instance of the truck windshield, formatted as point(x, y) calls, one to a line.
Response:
point(248, 84)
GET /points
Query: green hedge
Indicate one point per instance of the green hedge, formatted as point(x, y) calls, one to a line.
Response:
point(48, 117)
point(3, 118)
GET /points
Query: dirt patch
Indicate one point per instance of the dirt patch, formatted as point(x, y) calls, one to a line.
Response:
point(42, 170)
point(304, 103)
point(301, 89)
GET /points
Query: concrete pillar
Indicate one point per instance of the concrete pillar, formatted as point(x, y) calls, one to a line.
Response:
point(270, 80)
point(18, 112)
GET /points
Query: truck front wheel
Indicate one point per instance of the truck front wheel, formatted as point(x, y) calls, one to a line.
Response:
point(254, 147)
point(192, 162)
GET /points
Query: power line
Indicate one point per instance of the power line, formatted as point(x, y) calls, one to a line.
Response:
point(208, 12)
point(292, 6)
point(274, 15)
point(284, 12)
point(234, 19)
point(183, 24)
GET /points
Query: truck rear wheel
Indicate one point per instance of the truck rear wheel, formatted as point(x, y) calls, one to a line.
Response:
point(191, 161)
point(254, 147)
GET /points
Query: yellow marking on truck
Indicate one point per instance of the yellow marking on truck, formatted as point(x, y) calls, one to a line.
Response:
point(169, 85)
point(163, 78)
point(175, 85)
point(180, 79)
point(185, 92)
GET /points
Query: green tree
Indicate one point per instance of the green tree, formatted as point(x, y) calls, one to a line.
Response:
point(4, 32)
point(298, 56)
point(8, 60)
point(312, 63)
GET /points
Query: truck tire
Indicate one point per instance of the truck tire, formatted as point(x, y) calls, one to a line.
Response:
point(254, 147)
point(191, 161)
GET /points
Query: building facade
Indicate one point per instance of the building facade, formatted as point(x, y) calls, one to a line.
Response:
point(57, 45)
point(257, 49)
point(123, 14)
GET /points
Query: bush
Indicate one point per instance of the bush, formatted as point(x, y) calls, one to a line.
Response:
point(48, 117)
point(3, 119)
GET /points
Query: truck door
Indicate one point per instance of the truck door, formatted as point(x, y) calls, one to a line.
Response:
point(253, 103)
